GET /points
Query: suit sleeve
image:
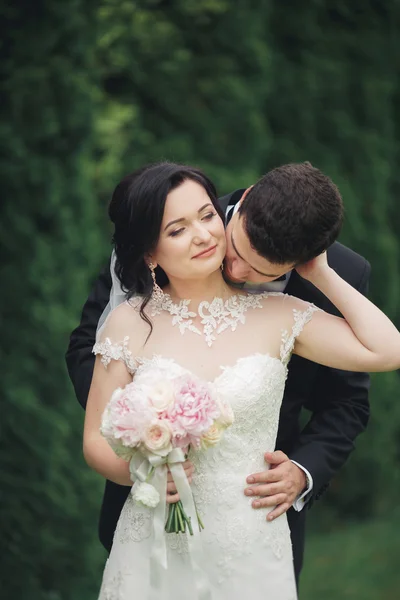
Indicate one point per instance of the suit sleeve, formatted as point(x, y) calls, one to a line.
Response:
point(79, 357)
point(340, 412)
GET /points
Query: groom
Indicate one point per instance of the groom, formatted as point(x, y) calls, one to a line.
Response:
point(288, 217)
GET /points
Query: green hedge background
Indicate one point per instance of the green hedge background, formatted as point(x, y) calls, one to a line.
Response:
point(92, 90)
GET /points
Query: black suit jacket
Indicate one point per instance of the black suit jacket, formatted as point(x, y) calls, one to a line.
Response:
point(338, 400)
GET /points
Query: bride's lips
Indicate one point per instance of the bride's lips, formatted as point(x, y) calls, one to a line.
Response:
point(207, 252)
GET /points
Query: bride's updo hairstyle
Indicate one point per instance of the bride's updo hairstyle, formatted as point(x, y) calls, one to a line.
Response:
point(137, 209)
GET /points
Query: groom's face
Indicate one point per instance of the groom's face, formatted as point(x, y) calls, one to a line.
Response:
point(242, 263)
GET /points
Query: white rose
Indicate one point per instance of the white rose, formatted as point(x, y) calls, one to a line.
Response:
point(146, 494)
point(211, 437)
point(161, 395)
point(157, 438)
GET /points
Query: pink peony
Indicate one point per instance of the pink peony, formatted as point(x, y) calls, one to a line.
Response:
point(126, 416)
point(193, 412)
point(161, 395)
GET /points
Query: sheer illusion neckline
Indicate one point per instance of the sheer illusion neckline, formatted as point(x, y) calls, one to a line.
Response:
point(121, 350)
point(215, 317)
point(146, 360)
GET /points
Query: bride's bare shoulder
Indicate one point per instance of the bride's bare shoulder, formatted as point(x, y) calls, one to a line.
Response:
point(281, 306)
point(125, 320)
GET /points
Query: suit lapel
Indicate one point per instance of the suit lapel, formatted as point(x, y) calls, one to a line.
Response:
point(230, 199)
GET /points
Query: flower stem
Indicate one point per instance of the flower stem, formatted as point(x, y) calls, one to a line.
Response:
point(182, 523)
point(187, 519)
point(168, 527)
point(201, 524)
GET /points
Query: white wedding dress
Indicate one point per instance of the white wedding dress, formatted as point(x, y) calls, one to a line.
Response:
point(243, 555)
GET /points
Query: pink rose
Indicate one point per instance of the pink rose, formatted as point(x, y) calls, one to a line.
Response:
point(157, 438)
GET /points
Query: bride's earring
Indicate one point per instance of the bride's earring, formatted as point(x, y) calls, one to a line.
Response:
point(157, 294)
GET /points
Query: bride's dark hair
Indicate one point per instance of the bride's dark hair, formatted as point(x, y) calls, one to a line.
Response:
point(137, 209)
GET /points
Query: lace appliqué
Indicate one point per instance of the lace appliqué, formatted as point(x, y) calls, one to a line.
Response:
point(215, 316)
point(236, 544)
point(134, 525)
point(178, 542)
point(301, 318)
point(278, 537)
point(115, 351)
point(111, 587)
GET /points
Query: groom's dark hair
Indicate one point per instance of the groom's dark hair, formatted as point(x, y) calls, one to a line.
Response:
point(292, 214)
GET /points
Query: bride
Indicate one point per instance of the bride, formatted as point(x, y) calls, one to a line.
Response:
point(167, 221)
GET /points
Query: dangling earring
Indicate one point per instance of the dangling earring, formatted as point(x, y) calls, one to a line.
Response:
point(157, 294)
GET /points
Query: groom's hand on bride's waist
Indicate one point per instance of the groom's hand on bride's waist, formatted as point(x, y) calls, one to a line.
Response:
point(172, 495)
point(279, 486)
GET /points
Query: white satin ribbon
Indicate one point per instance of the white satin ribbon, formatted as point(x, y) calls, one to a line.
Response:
point(140, 467)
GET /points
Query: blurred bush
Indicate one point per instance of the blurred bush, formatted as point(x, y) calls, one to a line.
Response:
point(92, 90)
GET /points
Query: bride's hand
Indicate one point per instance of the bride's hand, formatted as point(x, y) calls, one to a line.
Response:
point(313, 268)
point(172, 494)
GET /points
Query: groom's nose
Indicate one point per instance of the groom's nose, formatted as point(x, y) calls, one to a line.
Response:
point(238, 269)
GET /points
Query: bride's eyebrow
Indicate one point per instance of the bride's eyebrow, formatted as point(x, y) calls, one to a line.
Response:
point(183, 218)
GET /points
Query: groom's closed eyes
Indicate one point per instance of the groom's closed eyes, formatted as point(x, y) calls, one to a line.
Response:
point(256, 270)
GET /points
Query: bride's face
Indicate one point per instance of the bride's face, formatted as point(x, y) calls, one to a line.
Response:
point(192, 236)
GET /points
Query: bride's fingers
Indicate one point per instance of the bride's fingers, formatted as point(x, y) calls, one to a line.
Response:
point(188, 466)
point(189, 470)
point(171, 486)
point(171, 483)
point(172, 498)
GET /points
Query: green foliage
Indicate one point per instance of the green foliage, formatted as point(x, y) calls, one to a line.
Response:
point(50, 500)
point(182, 82)
point(354, 562)
point(92, 90)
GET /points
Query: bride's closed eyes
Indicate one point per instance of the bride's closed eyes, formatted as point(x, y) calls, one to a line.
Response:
point(206, 217)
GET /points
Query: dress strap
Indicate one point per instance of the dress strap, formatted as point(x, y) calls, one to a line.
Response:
point(109, 351)
point(301, 318)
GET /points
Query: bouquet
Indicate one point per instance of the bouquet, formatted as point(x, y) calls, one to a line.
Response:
point(155, 423)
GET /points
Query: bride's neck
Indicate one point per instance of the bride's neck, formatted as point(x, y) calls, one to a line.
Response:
point(198, 290)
